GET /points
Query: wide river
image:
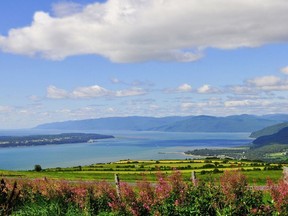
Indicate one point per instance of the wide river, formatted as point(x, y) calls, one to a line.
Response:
point(126, 145)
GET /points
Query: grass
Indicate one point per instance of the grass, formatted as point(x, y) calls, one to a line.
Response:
point(131, 170)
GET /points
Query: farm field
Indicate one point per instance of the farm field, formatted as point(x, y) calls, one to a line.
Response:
point(133, 170)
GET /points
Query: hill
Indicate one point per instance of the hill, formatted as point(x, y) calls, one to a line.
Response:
point(134, 123)
point(236, 123)
point(269, 130)
point(281, 137)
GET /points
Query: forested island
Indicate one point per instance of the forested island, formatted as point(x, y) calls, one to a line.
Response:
point(64, 138)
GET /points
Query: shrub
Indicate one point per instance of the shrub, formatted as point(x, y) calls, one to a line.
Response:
point(279, 193)
point(8, 197)
point(170, 195)
point(238, 197)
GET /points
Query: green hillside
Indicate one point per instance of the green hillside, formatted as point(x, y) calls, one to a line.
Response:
point(269, 130)
point(281, 137)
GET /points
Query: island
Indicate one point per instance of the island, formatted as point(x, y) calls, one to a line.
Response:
point(51, 139)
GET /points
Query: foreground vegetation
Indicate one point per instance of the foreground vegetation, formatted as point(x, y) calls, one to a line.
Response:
point(169, 195)
point(148, 187)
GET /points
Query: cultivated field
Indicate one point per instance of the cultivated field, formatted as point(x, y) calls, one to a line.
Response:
point(257, 172)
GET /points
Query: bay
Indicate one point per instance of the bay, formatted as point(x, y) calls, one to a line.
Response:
point(126, 145)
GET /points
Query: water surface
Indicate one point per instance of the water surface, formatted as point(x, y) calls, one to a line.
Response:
point(126, 145)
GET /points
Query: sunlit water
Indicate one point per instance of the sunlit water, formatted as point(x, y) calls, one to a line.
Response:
point(126, 145)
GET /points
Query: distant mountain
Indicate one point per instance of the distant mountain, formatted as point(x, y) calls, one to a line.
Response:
point(135, 123)
point(277, 117)
point(269, 130)
point(236, 123)
point(281, 137)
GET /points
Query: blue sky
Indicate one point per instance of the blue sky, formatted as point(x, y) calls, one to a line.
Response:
point(67, 60)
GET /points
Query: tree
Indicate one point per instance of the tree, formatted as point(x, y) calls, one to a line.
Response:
point(37, 168)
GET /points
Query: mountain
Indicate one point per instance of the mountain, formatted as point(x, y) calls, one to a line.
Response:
point(135, 123)
point(277, 117)
point(281, 137)
point(269, 130)
point(236, 123)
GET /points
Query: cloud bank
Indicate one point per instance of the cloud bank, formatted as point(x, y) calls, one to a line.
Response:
point(88, 92)
point(131, 31)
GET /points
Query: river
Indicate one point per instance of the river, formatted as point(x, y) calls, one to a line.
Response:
point(126, 145)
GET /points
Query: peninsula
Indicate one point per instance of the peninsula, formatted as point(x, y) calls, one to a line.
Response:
point(63, 138)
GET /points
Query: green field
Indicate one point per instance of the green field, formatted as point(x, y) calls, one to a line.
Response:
point(132, 171)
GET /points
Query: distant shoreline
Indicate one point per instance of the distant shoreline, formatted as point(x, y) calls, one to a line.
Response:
point(51, 139)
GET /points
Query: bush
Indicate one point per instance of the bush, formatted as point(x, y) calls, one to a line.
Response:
point(279, 193)
point(170, 195)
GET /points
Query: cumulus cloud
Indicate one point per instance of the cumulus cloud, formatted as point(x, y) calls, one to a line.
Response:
point(56, 93)
point(89, 92)
point(268, 83)
point(131, 31)
point(63, 9)
point(94, 91)
point(264, 81)
point(184, 88)
point(207, 89)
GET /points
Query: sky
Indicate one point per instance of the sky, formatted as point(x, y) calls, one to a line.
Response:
point(71, 60)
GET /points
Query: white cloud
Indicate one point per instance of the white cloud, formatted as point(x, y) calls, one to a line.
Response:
point(245, 90)
point(86, 92)
point(210, 103)
point(236, 103)
point(184, 88)
point(62, 9)
point(55, 93)
point(268, 83)
point(130, 31)
point(246, 103)
point(89, 92)
point(207, 89)
point(265, 81)
point(129, 92)
point(285, 70)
